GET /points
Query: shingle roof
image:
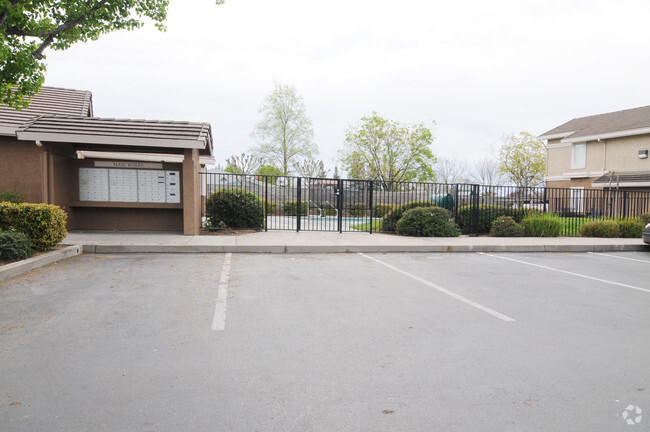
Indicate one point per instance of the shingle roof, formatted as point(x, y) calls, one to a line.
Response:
point(603, 124)
point(108, 131)
point(50, 100)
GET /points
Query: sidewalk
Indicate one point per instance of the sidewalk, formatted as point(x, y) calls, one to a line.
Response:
point(332, 242)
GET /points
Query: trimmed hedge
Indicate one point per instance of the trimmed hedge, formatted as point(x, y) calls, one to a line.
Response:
point(381, 210)
point(487, 214)
point(505, 226)
point(645, 219)
point(427, 222)
point(542, 225)
point(389, 223)
point(357, 209)
point(12, 196)
point(291, 208)
point(44, 224)
point(625, 228)
point(15, 246)
point(234, 208)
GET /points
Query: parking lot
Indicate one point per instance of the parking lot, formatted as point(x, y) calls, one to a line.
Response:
point(328, 342)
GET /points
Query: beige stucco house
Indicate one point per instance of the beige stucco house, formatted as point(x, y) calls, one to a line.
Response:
point(604, 151)
point(115, 174)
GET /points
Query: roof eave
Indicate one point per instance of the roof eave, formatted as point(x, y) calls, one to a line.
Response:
point(111, 140)
point(607, 135)
point(556, 135)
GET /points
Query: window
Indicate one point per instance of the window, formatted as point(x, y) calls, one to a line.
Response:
point(579, 155)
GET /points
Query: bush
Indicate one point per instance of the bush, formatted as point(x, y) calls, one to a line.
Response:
point(542, 225)
point(625, 228)
point(427, 222)
point(291, 208)
point(505, 226)
point(357, 209)
point(12, 196)
point(381, 210)
point(44, 224)
point(630, 228)
point(645, 219)
point(235, 208)
point(390, 220)
point(15, 246)
point(487, 214)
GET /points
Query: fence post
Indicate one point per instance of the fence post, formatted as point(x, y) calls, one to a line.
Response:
point(475, 210)
point(370, 199)
point(298, 203)
point(339, 205)
point(625, 196)
point(266, 203)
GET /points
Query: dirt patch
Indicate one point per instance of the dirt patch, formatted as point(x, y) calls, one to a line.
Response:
point(229, 232)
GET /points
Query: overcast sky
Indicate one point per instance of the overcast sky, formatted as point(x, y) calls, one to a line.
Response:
point(479, 70)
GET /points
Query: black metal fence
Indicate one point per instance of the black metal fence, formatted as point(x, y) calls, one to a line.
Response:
point(326, 204)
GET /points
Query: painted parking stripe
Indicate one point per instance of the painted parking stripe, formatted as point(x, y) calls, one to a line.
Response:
point(568, 272)
point(443, 290)
point(219, 321)
point(620, 257)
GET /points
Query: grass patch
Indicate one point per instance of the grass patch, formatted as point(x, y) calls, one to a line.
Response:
point(365, 227)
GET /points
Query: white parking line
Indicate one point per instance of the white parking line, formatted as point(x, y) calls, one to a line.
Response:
point(443, 290)
point(219, 321)
point(568, 272)
point(619, 257)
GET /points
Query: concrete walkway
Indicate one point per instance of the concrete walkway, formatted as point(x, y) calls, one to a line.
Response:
point(324, 242)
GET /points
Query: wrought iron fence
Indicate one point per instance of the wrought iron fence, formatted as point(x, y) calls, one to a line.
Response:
point(326, 204)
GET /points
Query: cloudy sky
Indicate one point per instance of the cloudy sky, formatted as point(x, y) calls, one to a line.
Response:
point(479, 70)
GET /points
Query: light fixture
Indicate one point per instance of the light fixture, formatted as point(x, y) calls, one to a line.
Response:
point(643, 154)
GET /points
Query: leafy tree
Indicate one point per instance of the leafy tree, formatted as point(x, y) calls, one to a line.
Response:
point(285, 132)
point(523, 159)
point(29, 27)
point(387, 151)
point(270, 170)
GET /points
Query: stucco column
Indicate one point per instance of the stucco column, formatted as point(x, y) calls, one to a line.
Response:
point(191, 193)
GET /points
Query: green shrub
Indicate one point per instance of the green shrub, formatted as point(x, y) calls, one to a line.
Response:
point(599, 228)
point(487, 214)
point(235, 208)
point(505, 226)
point(427, 222)
point(645, 219)
point(542, 225)
point(630, 228)
point(12, 196)
point(44, 224)
point(390, 220)
point(291, 208)
point(608, 228)
point(15, 246)
point(357, 209)
point(270, 207)
point(381, 210)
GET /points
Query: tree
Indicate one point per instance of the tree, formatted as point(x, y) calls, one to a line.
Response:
point(336, 174)
point(523, 159)
point(285, 132)
point(29, 27)
point(387, 151)
point(451, 170)
point(271, 171)
point(244, 164)
point(486, 172)
point(310, 168)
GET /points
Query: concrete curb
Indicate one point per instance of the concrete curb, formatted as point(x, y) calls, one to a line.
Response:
point(107, 249)
point(12, 270)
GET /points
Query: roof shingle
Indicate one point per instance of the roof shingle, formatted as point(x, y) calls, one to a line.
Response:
point(52, 101)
